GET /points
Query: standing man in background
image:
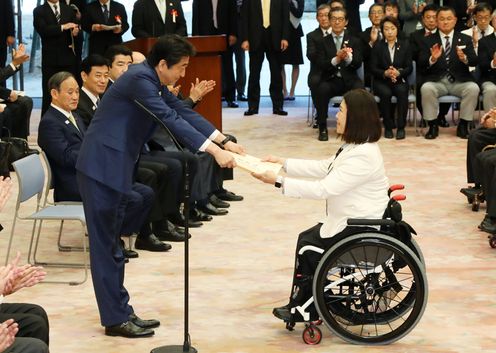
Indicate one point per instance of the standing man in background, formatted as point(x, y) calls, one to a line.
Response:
point(7, 31)
point(154, 18)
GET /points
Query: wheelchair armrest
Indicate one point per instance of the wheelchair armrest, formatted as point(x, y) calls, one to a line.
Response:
point(370, 222)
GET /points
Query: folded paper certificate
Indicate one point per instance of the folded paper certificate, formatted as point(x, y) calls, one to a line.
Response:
point(254, 164)
point(110, 28)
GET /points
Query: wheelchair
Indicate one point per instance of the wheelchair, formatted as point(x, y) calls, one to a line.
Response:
point(369, 288)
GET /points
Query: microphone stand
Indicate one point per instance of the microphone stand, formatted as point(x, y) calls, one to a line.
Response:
point(186, 347)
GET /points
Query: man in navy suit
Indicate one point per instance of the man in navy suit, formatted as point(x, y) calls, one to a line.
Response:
point(107, 160)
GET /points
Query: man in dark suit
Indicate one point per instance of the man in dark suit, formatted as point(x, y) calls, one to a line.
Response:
point(369, 37)
point(98, 15)
point(339, 59)
point(150, 21)
point(487, 51)
point(57, 25)
point(107, 160)
point(265, 31)
point(444, 63)
point(7, 31)
point(221, 20)
point(314, 45)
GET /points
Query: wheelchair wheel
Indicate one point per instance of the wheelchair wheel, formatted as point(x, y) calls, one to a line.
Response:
point(312, 335)
point(416, 250)
point(370, 288)
point(475, 205)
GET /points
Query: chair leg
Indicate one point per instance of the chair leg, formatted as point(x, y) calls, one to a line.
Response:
point(63, 247)
point(10, 240)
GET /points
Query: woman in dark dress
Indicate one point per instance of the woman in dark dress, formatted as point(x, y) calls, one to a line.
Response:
point(294, 54)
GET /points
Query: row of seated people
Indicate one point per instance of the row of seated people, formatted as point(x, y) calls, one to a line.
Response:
point(160, 166)
point(15, 107)
point(445, 61)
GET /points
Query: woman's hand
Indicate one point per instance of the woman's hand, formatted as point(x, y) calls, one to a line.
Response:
point(235, 148)
point(274, 159)
point(267, 177)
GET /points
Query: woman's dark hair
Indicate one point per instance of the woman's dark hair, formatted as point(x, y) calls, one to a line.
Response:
point(171, 48)
point(362, 118)
point(393, 20)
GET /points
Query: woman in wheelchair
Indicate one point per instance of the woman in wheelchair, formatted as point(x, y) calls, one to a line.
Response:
point(354, 184)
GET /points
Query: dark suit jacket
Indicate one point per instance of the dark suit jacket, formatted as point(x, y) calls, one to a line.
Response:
point(55, 50)
point(203, 23)
point(61, 141)
point(86, 108)
point(458, 69)
point(7, 27)
point(487, 48)
point(120, 128)
point(381, 60)
point(314, 45)
point(100, 41)
point(6, 72)
point(252, 22)
point(147, 22)
point(417, 42)
point(328, 51)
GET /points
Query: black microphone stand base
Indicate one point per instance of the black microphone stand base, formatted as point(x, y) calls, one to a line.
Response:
point(174, 349)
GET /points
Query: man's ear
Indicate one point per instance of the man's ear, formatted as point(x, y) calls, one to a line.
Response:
point(84, 76)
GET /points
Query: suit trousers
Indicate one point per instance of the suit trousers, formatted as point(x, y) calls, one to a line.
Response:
point(32, 320)
point(431, 91)
point(156, 176)
point(139, 204)
point(20, 117)
point(240, 57)
point(27, 345)
point(488, 95)
point(385, 90)
point(443, 107)
point(275, 65)
point(326, 89)
point(486, 165)
point(106, 210)
point(3, 58)
point(477, 140)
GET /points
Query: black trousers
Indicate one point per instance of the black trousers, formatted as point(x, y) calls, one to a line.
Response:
point(477, 140)
point(326, 89)
point(240, 57)
point(256, 60)
point(32, 320)
point(27, 345)
point(385, 90)
point(18, 117)
point(156, 175)
point(486, 166)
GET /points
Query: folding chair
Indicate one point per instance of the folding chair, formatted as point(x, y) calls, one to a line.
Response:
point(31, 178)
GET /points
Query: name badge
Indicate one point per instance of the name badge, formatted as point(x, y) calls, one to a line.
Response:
point(67, 122)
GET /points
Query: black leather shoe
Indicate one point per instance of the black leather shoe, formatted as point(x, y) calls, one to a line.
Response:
point(432, 133)
point(422, 123)
point(462, 130)
point(251, 112)
point(143, 323)
point(488, 226)
point(485, 222)
point(128, 329)
point(388, 134)
point(151, 243)
point(323, 135)
point(180, 221)
point(214, 200)
point(166, 231)
point(315, 125)
point(441, 121)
point(210, 209)
point(242, 98)
point(197, 215)
point(283, 313)
point(129, 254)
point(231, 104)
point(227, 195)
point(400, 134)
point(279, 112)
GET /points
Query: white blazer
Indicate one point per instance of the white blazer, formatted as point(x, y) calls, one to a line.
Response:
point(354, 184)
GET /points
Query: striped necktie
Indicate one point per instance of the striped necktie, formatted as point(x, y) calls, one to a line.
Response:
point(447, 49)
point(106, 13)
point(56, 12)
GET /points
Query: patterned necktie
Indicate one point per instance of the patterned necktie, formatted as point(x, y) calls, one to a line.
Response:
point(56, 12)
point(106, 13)
point(72, 120)
point(447, 49)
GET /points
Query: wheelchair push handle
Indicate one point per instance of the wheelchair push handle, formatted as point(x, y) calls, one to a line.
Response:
point(395, 187)
point(370, 222)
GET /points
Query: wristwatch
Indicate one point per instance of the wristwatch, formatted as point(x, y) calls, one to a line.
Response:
point(226, 140)
point(279, 181)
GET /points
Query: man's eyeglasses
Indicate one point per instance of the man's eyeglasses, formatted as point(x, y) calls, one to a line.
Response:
point(338, 19)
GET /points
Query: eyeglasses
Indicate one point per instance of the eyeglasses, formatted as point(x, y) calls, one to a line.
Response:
point(377, 12)
point(338, 19)
point(482, 18)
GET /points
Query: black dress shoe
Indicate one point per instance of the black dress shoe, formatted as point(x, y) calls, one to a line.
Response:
point(210, 209)
point(128, 253)
point(143, 323)
point(197, 215)
point(283, 313)
point(432, 133)
point(315, 125)
point(242, 98)
point(227, 195)
point(323, 135)
point(231, 104)
point(400, 134)
point(388, 134)
point(471, 192)
point(151, 243)
point(422, 123)
point(441, 121)
point(128, 329)
point(488, 226)
point(485, 222)
point(279, 112)
point(180, 221)
point(251, 112)
point(214, 200)
point(462, 130)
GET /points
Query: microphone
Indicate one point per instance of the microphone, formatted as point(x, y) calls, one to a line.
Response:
point(160, 122)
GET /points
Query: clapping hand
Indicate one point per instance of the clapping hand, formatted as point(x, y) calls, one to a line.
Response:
point(200, 88)
point(19, 56)
point(436, 51)
point(22, 276)
point(8, 331)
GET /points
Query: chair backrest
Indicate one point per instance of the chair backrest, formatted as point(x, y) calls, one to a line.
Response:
point(31, 177)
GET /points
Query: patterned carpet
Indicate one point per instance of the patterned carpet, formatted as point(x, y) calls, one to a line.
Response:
point(241, 263)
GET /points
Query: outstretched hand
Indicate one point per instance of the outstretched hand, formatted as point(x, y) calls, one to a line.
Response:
point(268, 177)
point(274, 159)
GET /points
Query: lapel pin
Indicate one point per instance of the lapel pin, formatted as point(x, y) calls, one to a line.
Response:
point(67, 122)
